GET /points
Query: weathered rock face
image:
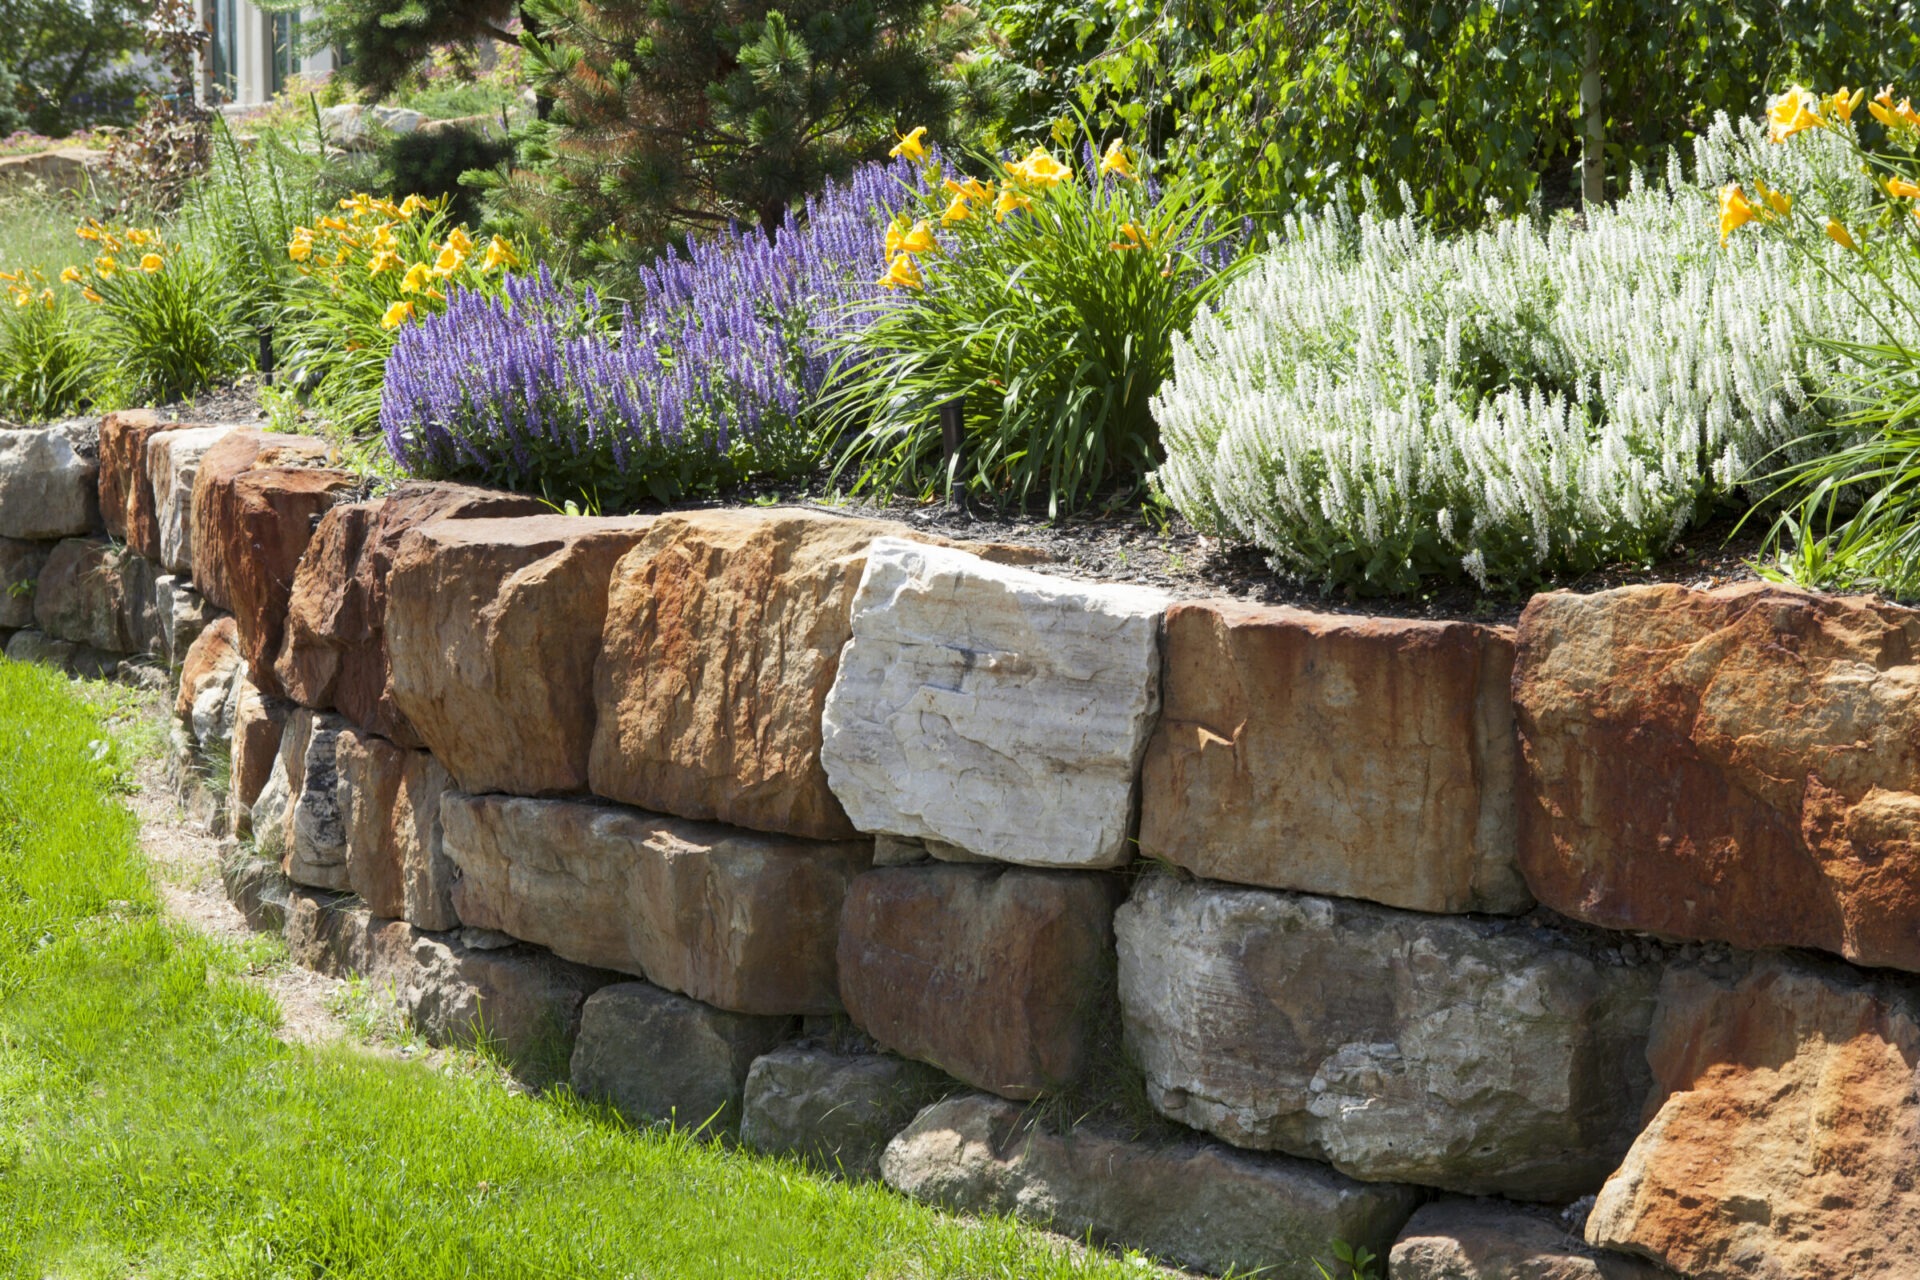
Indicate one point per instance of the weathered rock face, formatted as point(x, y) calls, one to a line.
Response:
point(744, 921)
point(302, 796)
point(1360, 757)
point(999, 977)
point(36, 646)
point(1479, 1056)
point(1195, 1203)
point(1490, 1240)
point(520, 999)
point(272, 513)
point(173, 460)
point(837, 1111)
point(993, 708)
point(390, 805)
point(334, 652)
point(48, 483)
point(207, 676)
point(180, 614)
point(123, 454)
point(258, 723)
point(1741, 765)
point(221, 542)
point(94, 593)
point(493, 627)
point(658, 1056)
point(20, 565)
point(723, 635)
point(1788, 1138)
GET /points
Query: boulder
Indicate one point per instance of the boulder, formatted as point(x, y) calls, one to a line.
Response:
point(180, 614)
point(723, 636)
point(1359, 757)
point(41, 649)
point(1787, 1128)
point(1000, 977)
point(657, 1056)
point(258, 725)
point(390, 806)
point(517, 1000)
point(1194, 1203)
point(737, 919)
point(303, 795)
point(334, 652)
point(48, 482)
point(1492, 1240)
point(273, 511)
point(207, 678)
point(1476, 1055)
point(220, 541)
point(20, 566)
point(127, 490)
point(258, 890)
point(95, 594)
point(1740, 765)
point(173, 461)
point(492, 630)
point(993, 708)
point(837, 1111)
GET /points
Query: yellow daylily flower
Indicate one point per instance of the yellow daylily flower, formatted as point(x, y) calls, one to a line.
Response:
point(300, 248)
point(499, 254)
point(918, 239)
point(11, 277)
point(1130, 238)
point(448, 262)
point(1841, 105)
point(1116, 161)
point(459, 239)
point(21, 297)
point(1840, 236)
point(105, 266)
point(71, 276)
point(89, 230)
point(1894, 117)
point(901, 272)
point(418, 279)
point(1792, 112)
point(414, 204)
point(911, 145)
point(893, 238)
point(1735, 212)
point(397, 314)
point(1901, 189)
point(331, 223)
point(958, 210)
point(1041, 169)
point(385, 260)
point(151, 263)
point(1780, 202)
point(46, 296)
point(90, 295)
point(1009, 201)
point(971, 189)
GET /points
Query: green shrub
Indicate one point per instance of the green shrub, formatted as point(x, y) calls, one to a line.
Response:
point(1375, 405)
point(243, 212)
point(1049, 306)
point(431, 164)
point(168, 326)
point(48, 361)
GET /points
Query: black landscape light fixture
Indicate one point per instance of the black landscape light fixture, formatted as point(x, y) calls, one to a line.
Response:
point(953, 414)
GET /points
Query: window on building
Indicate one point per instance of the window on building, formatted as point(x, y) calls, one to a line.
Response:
point(223, 23)
point(286, 43)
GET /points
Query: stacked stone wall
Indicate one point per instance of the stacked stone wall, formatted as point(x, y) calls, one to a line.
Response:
point(1580, 950)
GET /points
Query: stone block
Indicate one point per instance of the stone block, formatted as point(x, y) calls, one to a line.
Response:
point(518, 1000)
point(95, 594)
point(836, 1111)
point(297, 814)
point(1358, 757)
point(173, 461)
point(993, 708)
point(737, 919)
point(258, 725)
point(1787, 1127)
point(493, 628)
point(207, 677)
point(1741, 765)
point(1492, 1240)
point(723, 636)
point(1197, 1204)
point(334, 652)
point(180, 614)
point(221, 542)
point(272, 512)
point(658, 1056)
point(1001, 977)
point(390, 806)
point(122, 465)
point(30, 645)
point(20, 565)
point(48, 482)
point(1476, 1055)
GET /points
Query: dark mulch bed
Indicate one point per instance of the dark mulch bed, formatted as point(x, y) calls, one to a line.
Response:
point(1128, 546)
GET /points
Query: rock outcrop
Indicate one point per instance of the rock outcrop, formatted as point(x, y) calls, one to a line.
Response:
point(1740, 765)
point(1474, 1055)
point(48, 482)
point(1492, 1240)
point(1359, 757)
point(492, 629)
point(737, 919)
point(994, 709)
point(999, 976)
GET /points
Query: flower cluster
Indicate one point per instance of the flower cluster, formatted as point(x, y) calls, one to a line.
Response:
point(1374, 404)
point(121, 249)
point(713, 369)
point(372, 237)
point(1799, 110)
point(27, 287)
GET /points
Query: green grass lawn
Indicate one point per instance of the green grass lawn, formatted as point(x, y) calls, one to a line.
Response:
point(152, 1125)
